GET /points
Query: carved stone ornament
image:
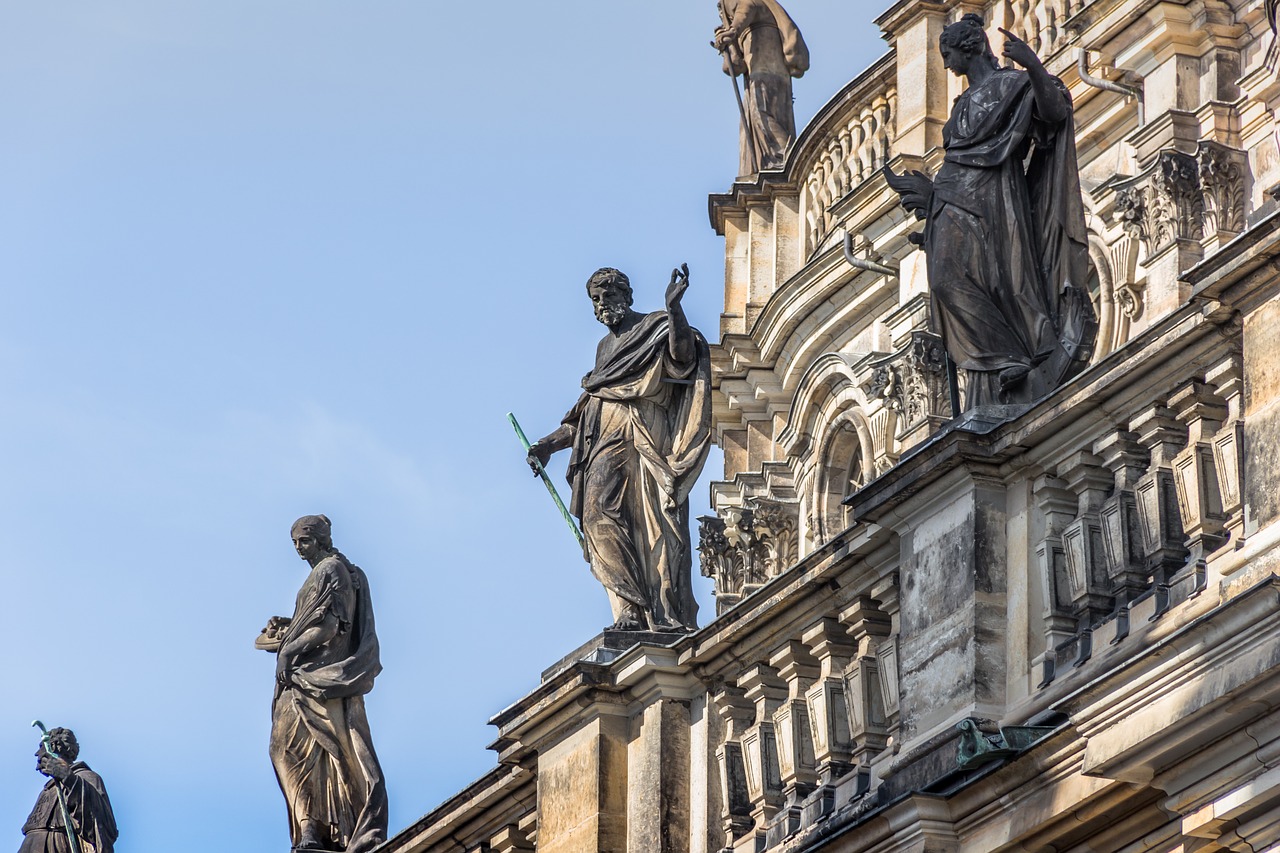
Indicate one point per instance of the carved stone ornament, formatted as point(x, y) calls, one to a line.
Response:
point(743, 547)
point(1164, 204)
point(1222, 173)
point(913, 382)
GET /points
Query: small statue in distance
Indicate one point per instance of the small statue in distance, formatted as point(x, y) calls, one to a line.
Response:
point(73, 786)
point(326, 661)
point(640, 434)
point(1006, 245)
point(759, 41)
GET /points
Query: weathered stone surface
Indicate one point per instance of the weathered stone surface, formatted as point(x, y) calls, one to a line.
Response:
point(582, 790)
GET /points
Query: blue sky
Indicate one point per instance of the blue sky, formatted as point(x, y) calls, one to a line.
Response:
point(263, 259)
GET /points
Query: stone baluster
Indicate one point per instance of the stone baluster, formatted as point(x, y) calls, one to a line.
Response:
point(766, 691)
point(1195, 471)
point(1082, 539)
point(867, 625)
point(828, 708)
point(796, 765)
point(1057, 505)
point(1158, 514)
point(738, 713)
point(1228, 444)
point(1122, 535)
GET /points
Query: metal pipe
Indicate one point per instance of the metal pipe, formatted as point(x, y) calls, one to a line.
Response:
point(859, 263)
point(1110, 86)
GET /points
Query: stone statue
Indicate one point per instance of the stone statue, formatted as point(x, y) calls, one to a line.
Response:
point(73, 784)
point(640, 433)
point(1006, 246)
point(326, 661)
point(759, 41)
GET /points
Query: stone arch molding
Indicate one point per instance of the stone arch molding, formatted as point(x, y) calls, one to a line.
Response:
point(829, 419)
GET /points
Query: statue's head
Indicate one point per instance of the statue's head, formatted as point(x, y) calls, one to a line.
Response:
point(965, 42)
point(312, 537)
point(610, 292)
point(64, 743)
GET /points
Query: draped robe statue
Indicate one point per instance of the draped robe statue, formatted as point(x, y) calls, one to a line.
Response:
point(759, 41)
point(640, 434)
point(1006, 245)
point(327, 659)
point(92, 819)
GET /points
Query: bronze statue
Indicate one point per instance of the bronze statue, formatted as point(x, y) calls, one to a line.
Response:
point(640, 433)
point(326, 661)
point(759, 41)
point(1006, 246)
point(73, 792)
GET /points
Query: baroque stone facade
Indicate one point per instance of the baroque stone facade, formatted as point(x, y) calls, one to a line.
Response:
point(1058, 632)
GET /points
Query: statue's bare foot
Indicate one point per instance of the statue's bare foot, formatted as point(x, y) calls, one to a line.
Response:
point(631, 619)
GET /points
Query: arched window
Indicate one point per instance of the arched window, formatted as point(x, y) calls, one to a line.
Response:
point(843, 470)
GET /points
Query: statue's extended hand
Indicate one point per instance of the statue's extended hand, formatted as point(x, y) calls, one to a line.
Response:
point(539, 456)
point(54, 767)
point(679, 284)
point(914, 189)
point(1017, 50)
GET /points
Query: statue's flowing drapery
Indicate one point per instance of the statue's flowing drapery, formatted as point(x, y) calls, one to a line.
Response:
point(320, 743)
point(91, 816)
point(641, 433)
point(1006, 243)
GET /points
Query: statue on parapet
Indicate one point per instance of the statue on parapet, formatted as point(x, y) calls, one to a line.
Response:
point(1006, 245)
point(326, 661)
point(73, 795)
point(759, 42)
point(640, 434)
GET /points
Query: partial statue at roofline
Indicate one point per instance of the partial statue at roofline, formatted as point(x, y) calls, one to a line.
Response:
point(759, 42)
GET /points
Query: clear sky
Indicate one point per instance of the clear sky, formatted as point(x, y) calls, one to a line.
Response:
point(270, 258)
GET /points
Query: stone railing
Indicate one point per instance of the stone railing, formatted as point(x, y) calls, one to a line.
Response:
point(1132, 516)
point(846, 144)
point(1040, 23)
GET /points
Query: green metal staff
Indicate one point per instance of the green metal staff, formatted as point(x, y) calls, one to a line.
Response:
point(546, 481)
point(62, 798)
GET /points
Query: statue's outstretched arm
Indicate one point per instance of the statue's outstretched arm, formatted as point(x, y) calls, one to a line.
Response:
point(1051, 103)
point(680, 340)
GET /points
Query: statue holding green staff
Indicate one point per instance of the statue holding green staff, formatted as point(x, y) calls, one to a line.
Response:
point(639, 435)
point(72, 813)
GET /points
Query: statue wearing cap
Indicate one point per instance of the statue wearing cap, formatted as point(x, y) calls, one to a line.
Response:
point(326, 661)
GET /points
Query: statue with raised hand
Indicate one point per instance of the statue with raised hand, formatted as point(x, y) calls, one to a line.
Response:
point(640, 433)
point(73, 807)
point(326, 661)
point(1006, 246)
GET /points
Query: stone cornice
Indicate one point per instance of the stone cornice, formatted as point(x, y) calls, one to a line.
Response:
point(504, 793)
